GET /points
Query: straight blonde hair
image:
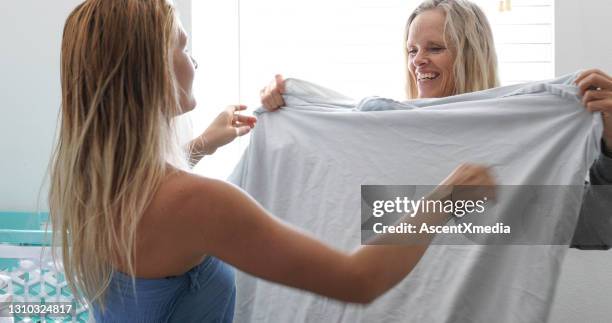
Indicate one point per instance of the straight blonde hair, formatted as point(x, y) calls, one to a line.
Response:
point(469, 34)
point(116, 134)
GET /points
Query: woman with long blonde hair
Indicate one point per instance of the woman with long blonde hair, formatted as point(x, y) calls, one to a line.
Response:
point(144, 240)
point(459, 30)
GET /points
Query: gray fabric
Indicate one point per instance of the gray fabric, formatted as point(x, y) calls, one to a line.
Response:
point(306, 163)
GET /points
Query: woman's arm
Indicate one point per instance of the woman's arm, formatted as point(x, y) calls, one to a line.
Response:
point(239, 231)
point(594, 227)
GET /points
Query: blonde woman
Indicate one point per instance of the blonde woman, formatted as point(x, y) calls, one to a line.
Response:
point(449, 50)
point(142, 239)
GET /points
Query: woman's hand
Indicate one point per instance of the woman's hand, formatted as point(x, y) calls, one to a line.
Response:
point(469, 182)
point(596, 90)
point(226, 127)
point(271, 95)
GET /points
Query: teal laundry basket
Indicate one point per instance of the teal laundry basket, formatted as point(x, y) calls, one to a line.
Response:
point(28, 274)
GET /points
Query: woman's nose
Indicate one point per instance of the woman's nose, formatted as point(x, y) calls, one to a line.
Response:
point(420, 59)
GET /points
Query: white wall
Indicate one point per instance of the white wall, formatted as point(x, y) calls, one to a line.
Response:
point(582, 40)
point(31, 32)
point(582, 35)
point(30, 96)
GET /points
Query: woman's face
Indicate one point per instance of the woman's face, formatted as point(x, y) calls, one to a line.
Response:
point(184, 69)
point(430, 62)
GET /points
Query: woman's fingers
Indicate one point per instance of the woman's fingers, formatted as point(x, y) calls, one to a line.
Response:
point(280, 83)
point(267, 103)
point(240, 121)
point(604, 105)
point(271, 95)
point(241, 131)
point(274, 97)
point(279, 90)
point(598, 100)
point(595, 95)
point(243, 124)
point(470, 174)
point(278, 99)
point(589, 72)
point(271, 102)
point(594, 81)
point(234, 108)
point(596, 90)
point(239, 118)
point(471, 181)
point(269, 98)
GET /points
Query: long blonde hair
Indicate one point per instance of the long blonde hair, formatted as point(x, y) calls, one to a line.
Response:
point(116, 134)
point(468, 31)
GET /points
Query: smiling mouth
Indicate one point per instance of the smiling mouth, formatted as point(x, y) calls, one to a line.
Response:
point(425, 77)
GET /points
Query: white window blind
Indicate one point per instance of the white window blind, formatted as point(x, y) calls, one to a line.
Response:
point(523, 38)
point(352, 46)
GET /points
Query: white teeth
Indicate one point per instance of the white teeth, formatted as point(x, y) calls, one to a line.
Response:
point(427, 76)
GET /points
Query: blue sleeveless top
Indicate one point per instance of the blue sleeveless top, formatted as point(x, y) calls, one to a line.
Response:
point(206, 293)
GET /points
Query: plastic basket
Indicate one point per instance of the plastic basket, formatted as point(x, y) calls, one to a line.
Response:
point(27, 271)
point(21, 228)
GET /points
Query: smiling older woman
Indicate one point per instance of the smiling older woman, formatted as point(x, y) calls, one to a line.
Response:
point(449, 50)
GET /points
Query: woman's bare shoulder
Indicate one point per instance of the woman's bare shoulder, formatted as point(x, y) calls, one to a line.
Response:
point(183, 210)
point(172, 230)
point(193, 193)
